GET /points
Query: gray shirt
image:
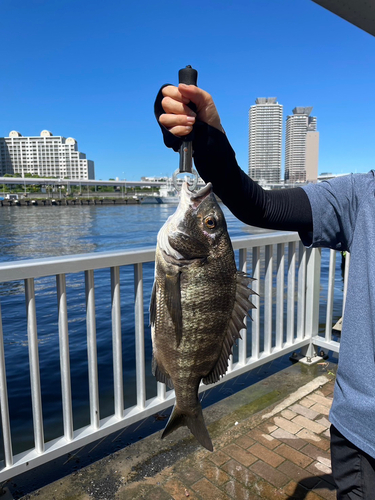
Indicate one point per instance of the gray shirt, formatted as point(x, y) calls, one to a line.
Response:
point(344, 219)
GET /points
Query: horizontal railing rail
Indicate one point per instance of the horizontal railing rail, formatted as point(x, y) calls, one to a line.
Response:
point(286, 318)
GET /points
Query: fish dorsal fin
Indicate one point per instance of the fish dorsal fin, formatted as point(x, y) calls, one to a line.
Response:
point(241, 307)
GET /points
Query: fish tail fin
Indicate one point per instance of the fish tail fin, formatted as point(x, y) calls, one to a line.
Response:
point(194, 421)
point(198, 428)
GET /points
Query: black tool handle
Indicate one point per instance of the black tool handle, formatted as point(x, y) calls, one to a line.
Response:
point(189, 76)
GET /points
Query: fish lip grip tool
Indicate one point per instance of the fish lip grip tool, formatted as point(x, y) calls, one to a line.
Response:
point(189, 76)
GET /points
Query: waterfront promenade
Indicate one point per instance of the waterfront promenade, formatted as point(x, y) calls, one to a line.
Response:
point(271, 441)
point(47, 202)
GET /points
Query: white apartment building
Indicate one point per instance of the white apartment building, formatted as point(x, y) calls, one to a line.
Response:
point(301, 146)
point(45, 155)
point(265, 137)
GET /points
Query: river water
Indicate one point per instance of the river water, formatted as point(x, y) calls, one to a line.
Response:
point(37, 232)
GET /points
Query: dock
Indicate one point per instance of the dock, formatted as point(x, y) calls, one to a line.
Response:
point(47, 202)
point(271, 441)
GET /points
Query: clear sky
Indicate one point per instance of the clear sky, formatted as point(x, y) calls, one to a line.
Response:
point(91, 70)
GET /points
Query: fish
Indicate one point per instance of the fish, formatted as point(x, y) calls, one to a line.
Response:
point(198, 306)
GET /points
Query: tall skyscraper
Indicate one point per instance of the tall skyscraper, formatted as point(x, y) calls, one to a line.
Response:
point(265, 136)
point(45, 155)
point(301, 146)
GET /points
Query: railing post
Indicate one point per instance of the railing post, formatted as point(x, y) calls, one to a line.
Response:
point(280, 295)
point(255, 326)
point(5, 422)
point(268, 278)
point(64, 356)
point(330, 294)
point(139, 336)
point(242, 343)
point(301, 304)
point(291, 292)
point(117, 342)
point(36, 393)
point(312, 299)
point(92, 349)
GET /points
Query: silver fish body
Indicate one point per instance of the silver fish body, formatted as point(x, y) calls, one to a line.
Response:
point(198, 305)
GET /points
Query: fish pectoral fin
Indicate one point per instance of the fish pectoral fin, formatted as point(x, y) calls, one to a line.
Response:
point(241, 308)
point(160, 374)
point(194, 421)
point(173, 301)
point(152, 308)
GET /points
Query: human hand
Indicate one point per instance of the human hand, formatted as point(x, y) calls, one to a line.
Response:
point(178, 117)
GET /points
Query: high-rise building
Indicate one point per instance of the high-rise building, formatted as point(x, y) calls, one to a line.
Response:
point(45, 155)
point(265, 136)
point(301, 146)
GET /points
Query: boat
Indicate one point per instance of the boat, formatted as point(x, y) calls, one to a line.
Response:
point(167, 195)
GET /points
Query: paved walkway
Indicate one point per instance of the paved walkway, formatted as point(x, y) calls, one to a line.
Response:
point(271, 441)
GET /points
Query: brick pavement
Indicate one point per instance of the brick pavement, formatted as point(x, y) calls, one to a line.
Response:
point(284, 456)
point(271, 441)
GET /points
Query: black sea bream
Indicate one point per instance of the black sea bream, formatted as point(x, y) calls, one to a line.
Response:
point(198, 305)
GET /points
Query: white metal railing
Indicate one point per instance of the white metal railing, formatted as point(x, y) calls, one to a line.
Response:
point(286, 318)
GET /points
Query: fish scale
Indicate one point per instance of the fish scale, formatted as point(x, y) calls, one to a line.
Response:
point(198, 305)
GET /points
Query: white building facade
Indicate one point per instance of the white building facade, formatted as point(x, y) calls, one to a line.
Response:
point(45, 155)
point(265, 139)
point(301, 146)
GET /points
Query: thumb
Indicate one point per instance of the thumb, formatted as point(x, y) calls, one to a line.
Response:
point(206, 109)
point(198, 96)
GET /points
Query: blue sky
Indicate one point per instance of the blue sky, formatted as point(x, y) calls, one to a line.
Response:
point(91, 70)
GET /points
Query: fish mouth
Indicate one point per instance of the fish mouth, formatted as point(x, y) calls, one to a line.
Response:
point(196, 198)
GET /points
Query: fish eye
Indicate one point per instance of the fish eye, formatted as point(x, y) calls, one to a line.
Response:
point(210, 222)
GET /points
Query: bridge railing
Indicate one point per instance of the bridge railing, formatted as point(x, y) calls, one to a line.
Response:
point(289, 305)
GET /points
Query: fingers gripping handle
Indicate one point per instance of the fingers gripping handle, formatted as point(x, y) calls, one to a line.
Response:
point(189, 76)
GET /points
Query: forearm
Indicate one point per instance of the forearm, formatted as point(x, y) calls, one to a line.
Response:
point(285, 209)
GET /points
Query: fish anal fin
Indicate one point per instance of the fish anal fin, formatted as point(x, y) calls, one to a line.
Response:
point(160, 375)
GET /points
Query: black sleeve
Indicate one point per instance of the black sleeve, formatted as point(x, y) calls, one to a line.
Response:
point(215, 160)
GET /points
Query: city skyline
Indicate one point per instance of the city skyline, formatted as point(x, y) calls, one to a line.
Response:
point(45, 155)
point(93, 74)
point(301, 148)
